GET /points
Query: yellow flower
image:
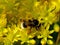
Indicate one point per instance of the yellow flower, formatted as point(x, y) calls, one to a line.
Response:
point(39, 36)
point(43, 42)
point(45, 33)
point(3, 20)
point(36, 4)
point(5, 30)
point(31, 36)
point(50, 42)
point(32, 41)
point(56, 28)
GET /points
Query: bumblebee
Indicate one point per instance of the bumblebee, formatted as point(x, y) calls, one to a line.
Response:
point(31, 23)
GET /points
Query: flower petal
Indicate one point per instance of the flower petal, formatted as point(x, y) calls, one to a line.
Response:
point(51, 31)
point(50, 36)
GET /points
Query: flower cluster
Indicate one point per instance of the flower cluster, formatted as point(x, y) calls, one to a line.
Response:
point(12, 12)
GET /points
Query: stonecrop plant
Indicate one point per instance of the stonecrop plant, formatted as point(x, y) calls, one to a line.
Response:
point(29, 22)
